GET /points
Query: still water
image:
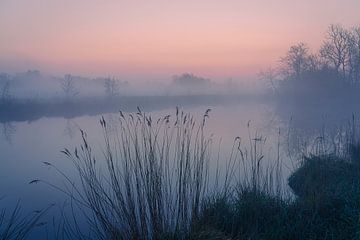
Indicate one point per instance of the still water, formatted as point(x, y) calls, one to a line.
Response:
point(24, 146)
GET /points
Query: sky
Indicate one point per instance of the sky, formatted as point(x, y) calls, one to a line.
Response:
point(156, 39)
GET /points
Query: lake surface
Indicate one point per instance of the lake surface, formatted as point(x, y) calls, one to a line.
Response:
point(24, 146)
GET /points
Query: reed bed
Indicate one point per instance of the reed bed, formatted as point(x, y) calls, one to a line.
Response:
point(157, 179)
point(154, 180)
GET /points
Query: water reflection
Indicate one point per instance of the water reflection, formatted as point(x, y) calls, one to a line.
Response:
point(41, 140)
point(8, 131)
point(71, 128)
point(317, 128)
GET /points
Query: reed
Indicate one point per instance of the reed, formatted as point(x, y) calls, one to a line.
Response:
point(17, 226)
point(155, 176)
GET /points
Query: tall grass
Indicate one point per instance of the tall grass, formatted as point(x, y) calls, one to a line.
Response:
point(252, 203)
point(328, 140)
point(154, 180)
point(15, 226)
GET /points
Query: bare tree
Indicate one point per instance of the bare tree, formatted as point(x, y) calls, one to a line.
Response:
point(111, 86)
point(271, 77)
point(354, 54)
point(68, 87)
point(296, 61)
point(315, 63)
point(335, 49)
point(189, 79)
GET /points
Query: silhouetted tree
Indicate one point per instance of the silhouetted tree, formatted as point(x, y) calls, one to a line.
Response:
point(354, 54)
point(334, 69)
point(188, 83)
point(68, 87)
point(297, 61)
point(189, 79)
point(335, 49)
point(271, 78)
point(33, 74)
point(315, 63)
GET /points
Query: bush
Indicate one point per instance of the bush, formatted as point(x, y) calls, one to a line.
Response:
point(328, 190)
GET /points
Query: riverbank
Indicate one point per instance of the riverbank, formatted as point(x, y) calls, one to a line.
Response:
point(31, 110)
point(326, 206)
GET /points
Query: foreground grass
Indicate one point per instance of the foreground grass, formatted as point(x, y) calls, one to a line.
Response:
point(154, 183)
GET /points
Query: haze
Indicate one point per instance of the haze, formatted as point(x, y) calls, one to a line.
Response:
point(156, 39)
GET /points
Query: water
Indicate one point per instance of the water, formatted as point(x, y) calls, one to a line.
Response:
point(24, 146)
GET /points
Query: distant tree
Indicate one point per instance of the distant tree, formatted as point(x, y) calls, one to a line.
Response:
point(335, 49)
point(297, 61)
point(271, 78)
point(354, 54)
point(189, 79)
point(68, 87)
point(33, 74)
point(111, 86)
point(315, 63)
point(188, 83)
point(336, 66)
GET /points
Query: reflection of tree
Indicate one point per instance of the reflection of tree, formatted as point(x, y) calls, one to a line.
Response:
point(70, 128)
point(8, 130)
point(330, 136)
point(111, 122)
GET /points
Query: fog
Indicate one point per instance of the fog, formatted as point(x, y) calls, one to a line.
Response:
point(32, 84)
point(305, 83)
point(179, 121)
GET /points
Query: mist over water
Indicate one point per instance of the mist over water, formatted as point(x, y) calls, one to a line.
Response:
point(40, 116)
point(124, 120)
point(26, 144)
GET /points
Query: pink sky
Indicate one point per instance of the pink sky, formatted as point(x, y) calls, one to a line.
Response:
point(154, 38)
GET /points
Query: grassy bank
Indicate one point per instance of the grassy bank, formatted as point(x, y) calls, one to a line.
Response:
point(326, 206)
point(325, 203)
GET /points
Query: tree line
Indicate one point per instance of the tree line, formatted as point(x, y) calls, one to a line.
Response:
point(68, 85)
point(337, 59)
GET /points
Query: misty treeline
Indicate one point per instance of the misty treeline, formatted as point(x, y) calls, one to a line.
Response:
point(189, 79)
point(71, 90)
point(33, 84)
point(334, 67)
